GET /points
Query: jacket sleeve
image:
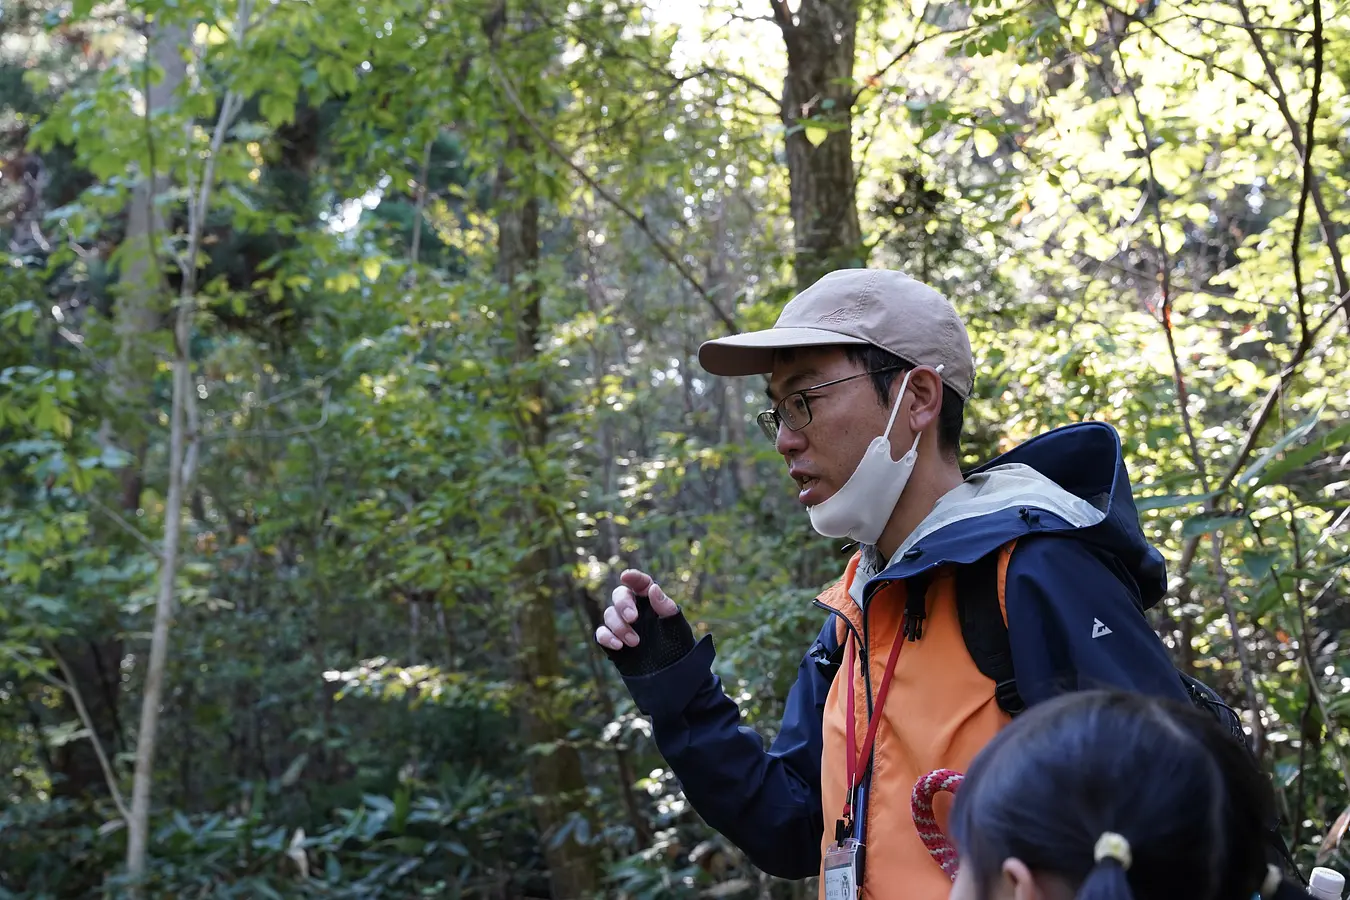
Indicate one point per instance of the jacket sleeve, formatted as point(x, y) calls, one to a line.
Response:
point(1074, 623)
point(765, 801)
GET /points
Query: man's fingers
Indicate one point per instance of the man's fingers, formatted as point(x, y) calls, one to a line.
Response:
point(635, 581)
point(619, 628)
point(605, 638)
point(662, 605)
point(624, 601)
point(642, 583)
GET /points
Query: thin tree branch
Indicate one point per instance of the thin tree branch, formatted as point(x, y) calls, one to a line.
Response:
point(1208, 61)
point(120, 521)
point(1253, 434)
point(421, 207)
point(1322, 539)
point(1254, 703)
point(71, 687)
point(1247, 27)
point(1309, 142)
point(639, 220)
point(737, 17)
point(197, 214)
point(915, 42)
point(1181, 287)
point(1330, 233)
point(1305, 649)
point(730, 76)
point(194, 433)
point(659, 70)
point(300, 389)
point(783, 16)
point(1343, 304)
point(285, 432)
point(1254, 431)
point(1165, 274)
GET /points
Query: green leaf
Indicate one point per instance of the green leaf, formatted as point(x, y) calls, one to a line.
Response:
point(1258, 563)
point(44, 415)
point(985, 142)
point(1296, 433)
point(265, 890)
point(292, 773)
point(1198, 525)
point(343, 282)
point(1331, 442)
point(402, 803)
point(277, 109)
point(1168, 501)
point(37, 81)
point(52, 606)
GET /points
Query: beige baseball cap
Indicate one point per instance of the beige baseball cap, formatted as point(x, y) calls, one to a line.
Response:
point(882, 307)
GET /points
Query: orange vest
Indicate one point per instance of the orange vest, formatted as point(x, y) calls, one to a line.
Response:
point(940, 712)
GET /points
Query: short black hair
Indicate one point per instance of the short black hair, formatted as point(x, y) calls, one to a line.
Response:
point(951, 418)
point(1183, 792)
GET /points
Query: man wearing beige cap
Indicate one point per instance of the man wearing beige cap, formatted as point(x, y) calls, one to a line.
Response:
point(1032, 564)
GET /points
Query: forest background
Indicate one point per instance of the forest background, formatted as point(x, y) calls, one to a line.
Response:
point(347, 356)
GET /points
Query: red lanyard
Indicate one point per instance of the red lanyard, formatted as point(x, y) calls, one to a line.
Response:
point(857, 757)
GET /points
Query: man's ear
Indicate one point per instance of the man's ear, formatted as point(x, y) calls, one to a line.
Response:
point(925, 398)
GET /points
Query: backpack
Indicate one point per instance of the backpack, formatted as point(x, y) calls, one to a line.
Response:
point(984, 627)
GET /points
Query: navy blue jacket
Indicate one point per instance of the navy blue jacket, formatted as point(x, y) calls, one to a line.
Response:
point(1062, 578)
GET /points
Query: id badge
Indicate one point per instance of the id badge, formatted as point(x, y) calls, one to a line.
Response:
point(843, 870)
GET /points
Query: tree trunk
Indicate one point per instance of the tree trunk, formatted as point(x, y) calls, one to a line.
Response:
point(731, 404)
point(818, 112)
point(95, 657)
point(183, 448)
point(556, 779)
point(139, 826)
point(141, 296)
point(140, 303)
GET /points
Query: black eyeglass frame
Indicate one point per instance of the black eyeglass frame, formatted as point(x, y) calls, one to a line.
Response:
point(772, 419)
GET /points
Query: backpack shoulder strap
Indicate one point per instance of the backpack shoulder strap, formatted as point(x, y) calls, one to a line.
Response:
point(984, 624)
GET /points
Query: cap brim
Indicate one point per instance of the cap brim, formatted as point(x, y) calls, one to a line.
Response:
point(752, 353)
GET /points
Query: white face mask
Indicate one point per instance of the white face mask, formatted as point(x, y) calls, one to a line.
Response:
point(861, 508)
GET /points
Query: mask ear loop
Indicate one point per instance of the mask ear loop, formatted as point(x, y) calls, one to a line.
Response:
point(896, 408)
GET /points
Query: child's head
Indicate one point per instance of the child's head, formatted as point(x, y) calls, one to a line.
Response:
point(1029, 819)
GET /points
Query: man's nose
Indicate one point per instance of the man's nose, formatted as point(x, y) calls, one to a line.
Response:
point(789, 441)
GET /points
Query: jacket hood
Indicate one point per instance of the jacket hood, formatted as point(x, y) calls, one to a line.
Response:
point(1071, 481)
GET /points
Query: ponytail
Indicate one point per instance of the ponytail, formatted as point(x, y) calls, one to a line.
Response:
point(1108, 879)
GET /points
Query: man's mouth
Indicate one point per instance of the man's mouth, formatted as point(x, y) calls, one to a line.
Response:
point(805, 484)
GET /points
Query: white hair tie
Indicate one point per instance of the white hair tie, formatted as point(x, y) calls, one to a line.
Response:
point(1272, 882)
point(1112, 846)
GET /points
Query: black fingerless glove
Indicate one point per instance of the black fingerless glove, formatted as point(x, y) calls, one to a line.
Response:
point(661, 642)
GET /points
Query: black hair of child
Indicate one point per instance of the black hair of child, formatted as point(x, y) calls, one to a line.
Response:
point(1161, 774)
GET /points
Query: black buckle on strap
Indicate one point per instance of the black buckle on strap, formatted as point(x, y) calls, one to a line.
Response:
point(1009, 700)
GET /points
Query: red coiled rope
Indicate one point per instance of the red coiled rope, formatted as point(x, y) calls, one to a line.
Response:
point(921, 806)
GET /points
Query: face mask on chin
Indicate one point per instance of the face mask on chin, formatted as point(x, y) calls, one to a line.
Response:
point(861, 508)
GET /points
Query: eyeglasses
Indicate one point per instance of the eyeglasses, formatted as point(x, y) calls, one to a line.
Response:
point(794, 410)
